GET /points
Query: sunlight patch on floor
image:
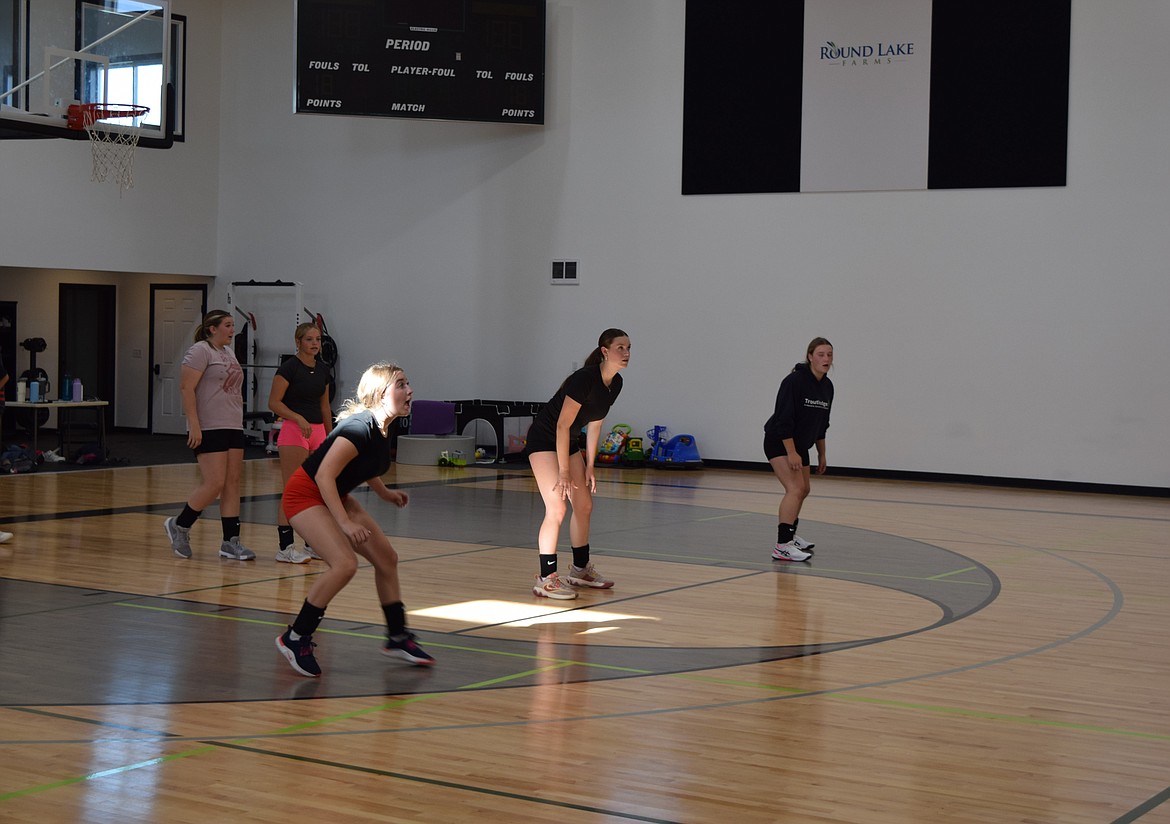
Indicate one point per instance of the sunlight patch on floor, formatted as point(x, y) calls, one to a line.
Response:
point(478, 613)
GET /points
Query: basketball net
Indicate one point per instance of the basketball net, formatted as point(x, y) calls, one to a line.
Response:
point(113, 146)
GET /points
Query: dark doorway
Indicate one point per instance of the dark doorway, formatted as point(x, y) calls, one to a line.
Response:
point(8, 344)
point(8, 353)
point(87, 334)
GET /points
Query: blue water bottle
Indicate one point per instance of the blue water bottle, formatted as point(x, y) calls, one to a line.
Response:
point(67, 388)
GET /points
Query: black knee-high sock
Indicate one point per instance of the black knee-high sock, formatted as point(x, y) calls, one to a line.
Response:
point(395, 618)
point(308, 619)
point(231, 528)
point(284, 536)
point(548, 564)
point(784, 533)
point(188, 517)
point(581, 556)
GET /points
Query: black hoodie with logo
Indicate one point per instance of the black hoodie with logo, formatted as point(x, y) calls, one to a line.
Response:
point(802, 408)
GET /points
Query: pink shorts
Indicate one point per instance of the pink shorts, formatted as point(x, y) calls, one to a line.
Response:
point(290, 435)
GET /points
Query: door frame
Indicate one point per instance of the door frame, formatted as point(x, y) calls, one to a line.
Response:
point(154, 288)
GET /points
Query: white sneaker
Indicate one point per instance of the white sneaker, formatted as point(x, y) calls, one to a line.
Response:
point(802, 544)
point(292, 555)
point(312, 553)
point(789, 552)
point(552, 587)
point(5, 537)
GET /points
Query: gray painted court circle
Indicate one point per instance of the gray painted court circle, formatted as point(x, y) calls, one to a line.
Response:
point(172, 650)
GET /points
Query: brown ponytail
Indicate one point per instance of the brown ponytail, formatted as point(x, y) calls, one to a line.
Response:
point(213, 318)
point(603, 342)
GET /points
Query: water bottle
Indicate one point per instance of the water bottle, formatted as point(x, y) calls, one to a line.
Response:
point(78, 395)
point(67, 388)
point(34, 391)
point(21, 390)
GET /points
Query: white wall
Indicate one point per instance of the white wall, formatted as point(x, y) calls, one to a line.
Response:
point(1007, 333)
point(53, 216)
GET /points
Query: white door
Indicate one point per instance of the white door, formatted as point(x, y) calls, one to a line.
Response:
point(177, 313)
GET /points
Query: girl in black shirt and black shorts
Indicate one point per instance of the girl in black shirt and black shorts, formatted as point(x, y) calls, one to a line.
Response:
point(562, 474)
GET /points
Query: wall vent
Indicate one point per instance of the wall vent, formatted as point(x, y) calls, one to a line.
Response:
point(564, 272)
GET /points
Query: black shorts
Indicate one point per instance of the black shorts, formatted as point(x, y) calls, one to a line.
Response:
point(539, 444)
point(774, 448)
point(220, 440)
point(531, 448)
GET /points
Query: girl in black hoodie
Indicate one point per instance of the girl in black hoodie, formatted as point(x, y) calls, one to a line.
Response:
point(800, 420)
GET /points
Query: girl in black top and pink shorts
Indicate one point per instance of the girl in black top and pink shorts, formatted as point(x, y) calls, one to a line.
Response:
point(300, 396)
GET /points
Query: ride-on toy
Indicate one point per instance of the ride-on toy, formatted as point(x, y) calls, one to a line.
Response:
point(678, 452)
point(610, 450)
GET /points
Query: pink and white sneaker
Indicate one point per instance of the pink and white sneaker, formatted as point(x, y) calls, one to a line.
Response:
point(552, 587)
point(587, 577)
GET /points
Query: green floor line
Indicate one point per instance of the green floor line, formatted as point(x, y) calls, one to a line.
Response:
point(68, 782)
point(505, 678)
point(942, 575)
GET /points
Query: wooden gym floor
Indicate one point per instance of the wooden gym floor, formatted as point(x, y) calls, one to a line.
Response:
point(951, 654)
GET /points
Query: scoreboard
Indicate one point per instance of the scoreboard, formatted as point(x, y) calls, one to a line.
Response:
point(477, 60)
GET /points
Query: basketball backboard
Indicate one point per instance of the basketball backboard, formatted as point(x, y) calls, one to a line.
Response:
point(54, 53)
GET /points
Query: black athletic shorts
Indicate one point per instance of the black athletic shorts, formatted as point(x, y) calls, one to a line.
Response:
point(531, 448)
point(774, 448)
point(539, 444)
point(220, 440)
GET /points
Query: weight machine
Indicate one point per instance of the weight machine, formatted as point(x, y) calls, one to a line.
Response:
point(258, 420)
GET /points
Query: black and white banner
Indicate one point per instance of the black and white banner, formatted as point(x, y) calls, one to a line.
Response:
point(857, 95)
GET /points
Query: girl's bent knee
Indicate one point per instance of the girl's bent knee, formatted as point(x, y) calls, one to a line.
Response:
point(346, 569)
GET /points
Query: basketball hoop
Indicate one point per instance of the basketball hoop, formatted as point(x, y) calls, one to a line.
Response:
point(113, 145)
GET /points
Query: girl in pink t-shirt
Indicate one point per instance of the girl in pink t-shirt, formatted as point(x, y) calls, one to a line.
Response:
point(211, 385)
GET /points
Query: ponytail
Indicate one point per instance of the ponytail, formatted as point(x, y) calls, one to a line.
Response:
point(372, 385)
point(213, 318)
point(603, 342)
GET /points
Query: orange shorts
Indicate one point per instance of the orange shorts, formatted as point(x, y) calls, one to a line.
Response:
point(302, 493)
